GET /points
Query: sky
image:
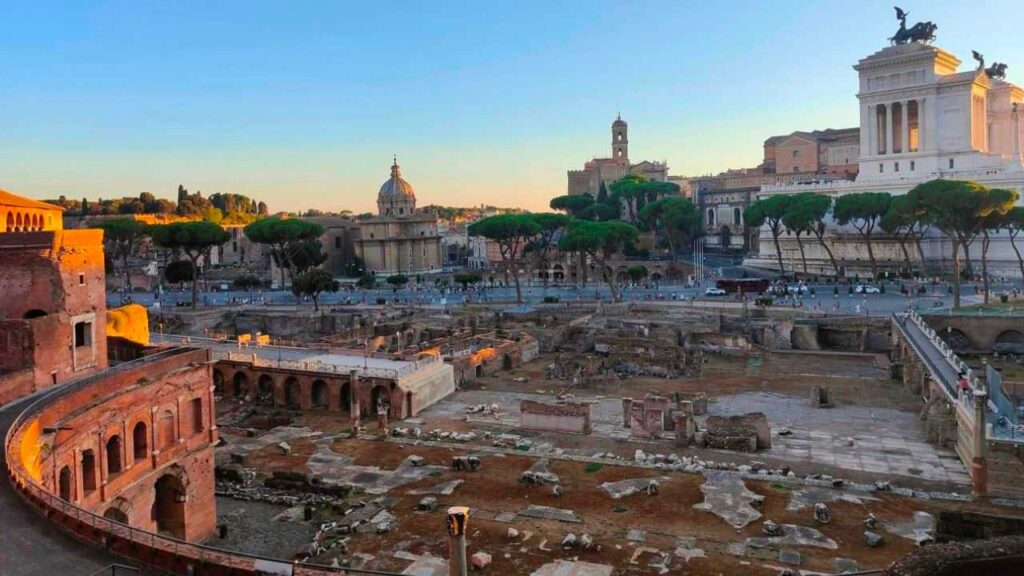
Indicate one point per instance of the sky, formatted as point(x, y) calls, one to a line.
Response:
point(303, 104)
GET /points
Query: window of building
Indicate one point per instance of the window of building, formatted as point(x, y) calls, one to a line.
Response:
point(83, 334)
point(81, 279)
point(911, 165)
point(950, 163)
point(197, 415)
point(337, 241)
point(896, 167)
point(796, 153)
point(371, 235)
point(796, 168)
point(881, 167)
point(401, 210)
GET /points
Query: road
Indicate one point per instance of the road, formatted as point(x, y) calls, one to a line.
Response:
point(823, 299)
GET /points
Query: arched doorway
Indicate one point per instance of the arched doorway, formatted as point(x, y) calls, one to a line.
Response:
point(345, 401)
point(506, 362)
point(241, 382)
point(725, 236)
point(292, 392)
point(169, 506)
point(1010, 337)
point(64, 484)
point(378, 397)
point(140, 442)
point(33, 313)
point(321, 394)
point(218, 381)
point(114, 455)
point(265, 390)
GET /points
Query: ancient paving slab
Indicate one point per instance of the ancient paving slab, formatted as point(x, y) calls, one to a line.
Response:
point(339, 468)
point(847, 565)
point(567, 568)
point(920, 528)
point(726, 496)
point(540, 470)
point(796, 535)
point(245, 445)
point(808, 496)
point(442, 489)
point(427, 566)
point(549, 513)
point(885, 441)
point(631, 486)
point(686, 548)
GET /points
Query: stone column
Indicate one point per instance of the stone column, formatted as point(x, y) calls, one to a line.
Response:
point(458, 518)
point(627, 411)
point(888, 128)
point(354, 401)
point(868, 138)
point(979, 464)
point(904, 127)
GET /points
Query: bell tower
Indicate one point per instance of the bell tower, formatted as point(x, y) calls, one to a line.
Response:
point(620, 141)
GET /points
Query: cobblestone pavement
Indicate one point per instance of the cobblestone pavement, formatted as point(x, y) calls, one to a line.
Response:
point(885, 441)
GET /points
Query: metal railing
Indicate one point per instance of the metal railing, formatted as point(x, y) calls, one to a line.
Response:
point(37, 496)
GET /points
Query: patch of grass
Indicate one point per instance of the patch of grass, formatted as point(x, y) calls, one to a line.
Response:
point(779, 486)
point(435, 474)
point(620, 509)
point(592, 467)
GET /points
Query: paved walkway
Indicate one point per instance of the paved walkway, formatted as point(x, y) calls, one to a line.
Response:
point(29, 544)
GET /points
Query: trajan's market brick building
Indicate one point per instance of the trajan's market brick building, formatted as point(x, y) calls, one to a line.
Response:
point(53, 311)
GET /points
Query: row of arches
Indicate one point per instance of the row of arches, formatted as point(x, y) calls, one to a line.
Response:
point(117, 459)
point(296, 393)
point(959, 341)
point(26, 222)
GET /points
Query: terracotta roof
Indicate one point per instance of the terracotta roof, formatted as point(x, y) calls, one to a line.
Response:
point(8, 199)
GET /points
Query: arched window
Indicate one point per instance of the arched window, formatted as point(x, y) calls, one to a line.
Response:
point(64, 480)
point(736, 216)
point(114, 455)
point(711, 217)
point(88, 471)
point(140, 442)
point(321, 395)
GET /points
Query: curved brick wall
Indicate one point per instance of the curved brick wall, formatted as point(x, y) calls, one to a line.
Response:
point(124, 460)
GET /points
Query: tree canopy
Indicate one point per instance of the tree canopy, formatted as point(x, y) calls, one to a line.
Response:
point(863, 210)
point(571, 204)
point(600, 241)
point(288, 238)
point(194, 239)
point(312, 283)
point(769, 211)
point(122, 237)
point(511, 232)
point(676, 219)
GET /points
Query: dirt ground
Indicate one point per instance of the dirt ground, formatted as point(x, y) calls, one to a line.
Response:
point(665, 517)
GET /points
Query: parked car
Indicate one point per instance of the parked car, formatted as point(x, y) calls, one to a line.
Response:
point(714, 291)
point(866, 289)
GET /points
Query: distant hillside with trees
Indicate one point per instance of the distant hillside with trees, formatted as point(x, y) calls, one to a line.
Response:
point(218, 208)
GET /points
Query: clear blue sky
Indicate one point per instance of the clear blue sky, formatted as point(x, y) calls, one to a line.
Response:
point(303, 104)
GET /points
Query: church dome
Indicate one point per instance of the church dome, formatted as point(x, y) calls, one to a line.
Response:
point(618, 122)
point(395, 188)
point(396, 197)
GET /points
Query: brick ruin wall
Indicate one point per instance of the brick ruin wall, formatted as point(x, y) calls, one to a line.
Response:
point(121, 435)
point(49, 282)
point(572, 418)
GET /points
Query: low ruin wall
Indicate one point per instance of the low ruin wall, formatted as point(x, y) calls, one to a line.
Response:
point(571, 418)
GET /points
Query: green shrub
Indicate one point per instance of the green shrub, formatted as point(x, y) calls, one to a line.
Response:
point(593, 467)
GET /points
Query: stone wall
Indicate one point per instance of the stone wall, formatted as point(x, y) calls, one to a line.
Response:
point(959, 525)
point(572, 418)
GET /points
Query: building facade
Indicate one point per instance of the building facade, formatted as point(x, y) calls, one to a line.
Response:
point(399, 240)
point(607, 170)
point(920, 119)
point(52, 299)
